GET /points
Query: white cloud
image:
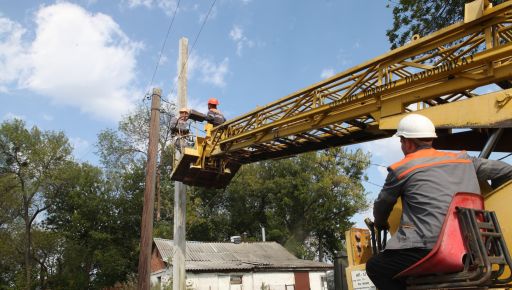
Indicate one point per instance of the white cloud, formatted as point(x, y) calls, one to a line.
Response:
point(207, 70)
point(212, 15)
point(359, 217)
point(138, 3)
point(78, 143)
point(327, 73)
point(13, 60)
point(198, 104)
point(163, 60)
point(344, 58)
point(384, 151)
point(167, 6)
point(80, 147)
point(237, 35)
point(47, 117)
point(77, 58)
point(12, 116)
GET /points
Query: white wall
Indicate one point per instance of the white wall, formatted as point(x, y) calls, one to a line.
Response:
point(161, 278)
point(274, 280)
point(315, 280)
point(250, 281)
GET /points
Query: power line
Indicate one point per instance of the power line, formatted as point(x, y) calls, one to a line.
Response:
point(163, 45)
point(505, 156)
point(194, 44)
point(374, 184)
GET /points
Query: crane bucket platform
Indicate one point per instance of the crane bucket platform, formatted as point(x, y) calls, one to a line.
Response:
point(186, 172)
point(437, 75)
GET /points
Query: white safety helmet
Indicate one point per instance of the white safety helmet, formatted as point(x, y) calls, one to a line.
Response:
point(416, 126)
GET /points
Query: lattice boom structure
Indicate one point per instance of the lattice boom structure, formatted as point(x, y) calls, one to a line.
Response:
point(439, 70)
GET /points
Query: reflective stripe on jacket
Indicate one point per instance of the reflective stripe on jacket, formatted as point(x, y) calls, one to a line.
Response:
point(426, 180)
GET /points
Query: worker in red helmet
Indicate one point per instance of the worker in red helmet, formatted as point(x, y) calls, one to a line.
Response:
point(214, 116)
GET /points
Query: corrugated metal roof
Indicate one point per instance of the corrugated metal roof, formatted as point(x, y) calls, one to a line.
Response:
point(203, 256)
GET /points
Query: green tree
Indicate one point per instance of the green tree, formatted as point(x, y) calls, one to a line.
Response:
point(29, 160)
point(305, 202)
point(423, 17)
point(11, 253)
point(123, 151)
point(98, 226)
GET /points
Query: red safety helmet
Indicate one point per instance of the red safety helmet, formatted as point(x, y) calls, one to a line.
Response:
point(213, 101)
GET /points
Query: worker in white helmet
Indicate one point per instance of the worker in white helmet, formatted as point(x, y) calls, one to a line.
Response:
point(179, 125)
point(426, 180)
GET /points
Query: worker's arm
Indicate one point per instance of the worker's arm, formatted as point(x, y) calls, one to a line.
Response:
point(174, 123)
point(196, 116)
point(215, 117)
point(386, 200)
point(498, 172)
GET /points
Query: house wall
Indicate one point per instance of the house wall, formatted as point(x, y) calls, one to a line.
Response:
point(250, 281)
point(315, 280)
point(161, 278)
point(157, 263)
point(273, 281)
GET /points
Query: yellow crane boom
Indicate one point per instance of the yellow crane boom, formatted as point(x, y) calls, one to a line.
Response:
point(435, 75)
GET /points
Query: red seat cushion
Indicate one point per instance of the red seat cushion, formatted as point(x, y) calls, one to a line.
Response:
point(447, 254)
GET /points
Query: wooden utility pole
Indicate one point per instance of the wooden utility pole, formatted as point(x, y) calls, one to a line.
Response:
point(180, 189)
point(146, 232)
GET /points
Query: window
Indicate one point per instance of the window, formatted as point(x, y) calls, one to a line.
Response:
point(235, 279)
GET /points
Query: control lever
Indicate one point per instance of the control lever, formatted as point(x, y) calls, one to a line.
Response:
point(371, 226)
point(378, 239)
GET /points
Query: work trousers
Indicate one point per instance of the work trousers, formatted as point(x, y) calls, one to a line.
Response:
point(383, 267)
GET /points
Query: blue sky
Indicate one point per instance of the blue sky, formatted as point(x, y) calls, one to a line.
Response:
point(78, 66)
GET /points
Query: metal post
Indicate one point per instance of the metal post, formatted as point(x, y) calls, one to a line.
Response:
point(340, 263)
point(180, 189)
point(146, 231)
point(491, 143)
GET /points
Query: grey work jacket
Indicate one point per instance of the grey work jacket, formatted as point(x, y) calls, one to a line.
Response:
point(426, 180)
point(179, 126)
point(215, 117)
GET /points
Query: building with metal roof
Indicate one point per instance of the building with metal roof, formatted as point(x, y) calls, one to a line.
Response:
point(215, 265)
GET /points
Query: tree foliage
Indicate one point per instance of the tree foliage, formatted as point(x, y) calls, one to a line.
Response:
point(99, 228)
point(423, 17)
point(70, 225)
point(305, 202)
point(29, 160)
point(127, 146)
point(63, 225)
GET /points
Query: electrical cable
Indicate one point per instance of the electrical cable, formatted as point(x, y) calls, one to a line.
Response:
point(193, 45)
point(163, 47)
point(505, 156)
point(374, 184)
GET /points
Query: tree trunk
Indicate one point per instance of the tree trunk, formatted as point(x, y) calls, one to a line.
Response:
point(320, 250)
point(28, 242)
point(43, 272)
